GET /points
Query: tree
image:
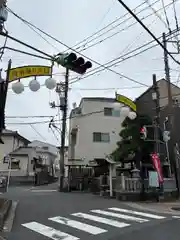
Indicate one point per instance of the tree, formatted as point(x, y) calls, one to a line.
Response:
point(131, 143)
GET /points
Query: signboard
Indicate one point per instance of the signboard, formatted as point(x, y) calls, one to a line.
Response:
point(128, 102)
point(157, 166)
point(153, 179)
point(29, 71)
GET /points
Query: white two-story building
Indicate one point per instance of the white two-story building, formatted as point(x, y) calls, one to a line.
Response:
point(94, 129)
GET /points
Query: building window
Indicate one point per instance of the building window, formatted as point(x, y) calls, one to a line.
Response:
point(101, 137)
point(45, 148)
point(6, 159)
point(111, 112)
point(108, 111)
point(15, 164)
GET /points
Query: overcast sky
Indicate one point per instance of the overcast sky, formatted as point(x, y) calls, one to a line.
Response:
point(72, 21)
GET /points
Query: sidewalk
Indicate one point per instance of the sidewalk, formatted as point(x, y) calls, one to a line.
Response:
point(161, 207)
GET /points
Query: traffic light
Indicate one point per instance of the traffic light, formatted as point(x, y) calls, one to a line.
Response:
point(71, 61)
point(143, 133)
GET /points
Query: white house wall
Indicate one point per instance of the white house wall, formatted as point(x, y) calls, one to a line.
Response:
point(97, 122)
point(10, 144)
point(52, 149)
point(26, 166)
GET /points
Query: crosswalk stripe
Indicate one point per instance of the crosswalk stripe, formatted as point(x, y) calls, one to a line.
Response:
point(79, 225)
point(136, 213)
point(49, 232)
point(117, 215)
point(101, 220)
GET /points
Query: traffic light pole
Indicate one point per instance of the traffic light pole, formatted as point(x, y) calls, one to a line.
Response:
point(170, 115)
point(63, 132)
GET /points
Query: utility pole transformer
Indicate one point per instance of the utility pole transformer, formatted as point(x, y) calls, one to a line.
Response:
point(172, 142)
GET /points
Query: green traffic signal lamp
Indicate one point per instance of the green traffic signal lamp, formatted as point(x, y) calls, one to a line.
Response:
point(70, 58)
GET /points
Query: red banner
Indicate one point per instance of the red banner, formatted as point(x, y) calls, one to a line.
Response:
point(157, 166)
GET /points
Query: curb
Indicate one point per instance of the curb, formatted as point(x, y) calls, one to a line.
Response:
point(10, 218)
point(4, 212)
point(156, 209)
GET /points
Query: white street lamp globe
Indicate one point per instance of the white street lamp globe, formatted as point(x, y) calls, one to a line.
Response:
point(125, 111)
point(50, 83)
point(34, 85)
point(132, 115)
point(17, 87)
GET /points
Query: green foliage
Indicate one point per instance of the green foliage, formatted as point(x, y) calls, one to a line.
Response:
point(130, 139)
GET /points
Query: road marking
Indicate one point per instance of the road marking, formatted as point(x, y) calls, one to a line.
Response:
point(117, 215)
point(76, 224)
point(101, 220)
point(49, 232)
point(177, 217)
point(137, 213)
point(43, 190)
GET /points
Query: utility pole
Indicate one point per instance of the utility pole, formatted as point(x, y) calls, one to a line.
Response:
point(64, 108)
point(156, 98)
point(156, 123)
point(170, 113)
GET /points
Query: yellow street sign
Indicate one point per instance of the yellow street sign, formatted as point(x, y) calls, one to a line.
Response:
point(126, 101)
point(29, 71)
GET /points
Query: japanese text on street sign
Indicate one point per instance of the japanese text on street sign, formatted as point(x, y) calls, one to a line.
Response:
point(126, 101)
point(29, 71)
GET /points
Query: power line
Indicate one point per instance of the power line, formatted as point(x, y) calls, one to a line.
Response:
point(165, 13)
point(38, 133)
point(108, 25)
point(110, 88)
point(165, 23)
point(94, 61)
point(42, 37)
point(29, 116)
point(27, 53)
point(105, 15)
point(113, 64)
point(150, 33)
point(175, 14)
point(123, 29)
point(81, 115)
point(121, 58)
point(2, 50)
point(119, 31)
point(101, 65)
point(156, 14)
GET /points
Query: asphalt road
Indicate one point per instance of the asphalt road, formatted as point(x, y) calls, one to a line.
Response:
point(44, 214)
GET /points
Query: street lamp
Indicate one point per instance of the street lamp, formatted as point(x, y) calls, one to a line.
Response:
point(125, 111)
point(132, 115)
point(17, 87)
point(34, 85)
